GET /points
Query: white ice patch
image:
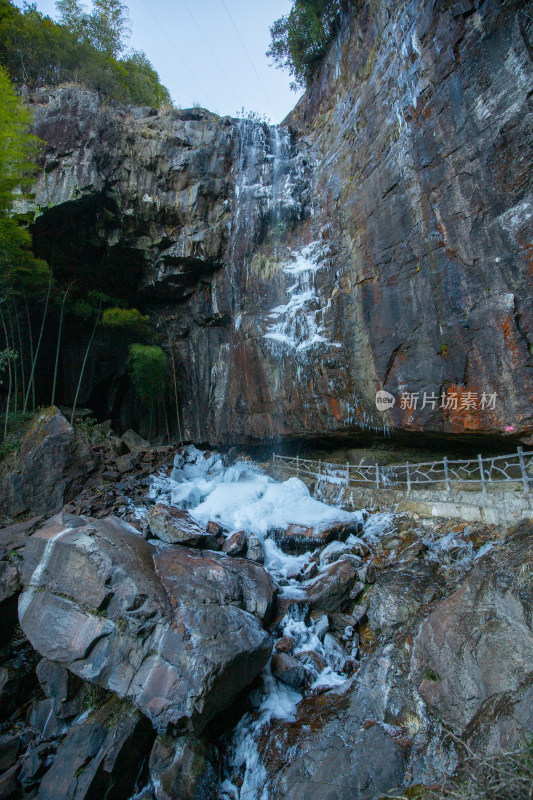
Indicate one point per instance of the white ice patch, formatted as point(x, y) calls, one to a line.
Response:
point(298, 325)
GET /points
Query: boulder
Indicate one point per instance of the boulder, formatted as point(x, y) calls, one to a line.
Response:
point(288, 670)
point(334, 587)
point(100, 756)
point(173, 525)
point(184, 768)
point(215, 578)
point(235, 545)
point(169, 628)
point(53, 462)
point(134, 442)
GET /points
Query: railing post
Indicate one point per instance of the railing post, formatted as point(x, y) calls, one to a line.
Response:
point(408, 476)
point(347, 473)
point(482, 474)
point(297, 466)
point(446, 476)
point(525, 477)
point(377, 476)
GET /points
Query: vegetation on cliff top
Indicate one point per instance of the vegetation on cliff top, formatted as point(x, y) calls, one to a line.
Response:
point(301, 39)
point(88, 48)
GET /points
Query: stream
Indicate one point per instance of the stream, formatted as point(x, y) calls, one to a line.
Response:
point(241, 497)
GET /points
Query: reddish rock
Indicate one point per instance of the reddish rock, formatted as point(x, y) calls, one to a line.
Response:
point(235, 545)
point(52, 464)
point(288, 670)
point(285, 644)
point(334, 587)
point(214, 528)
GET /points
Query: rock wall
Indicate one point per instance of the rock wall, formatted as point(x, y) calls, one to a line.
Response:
point(381, 238)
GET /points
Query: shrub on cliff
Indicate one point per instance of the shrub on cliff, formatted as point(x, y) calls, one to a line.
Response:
point(301, 39)
point(84, 48)
point(149, 371)
point(129, 320)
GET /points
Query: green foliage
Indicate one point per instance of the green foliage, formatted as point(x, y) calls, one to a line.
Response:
point(18, 149)
point(84, 48)
point(17, 425)
point(301, 39)
point(89, 430)
point(126, 319)
point(149, 371)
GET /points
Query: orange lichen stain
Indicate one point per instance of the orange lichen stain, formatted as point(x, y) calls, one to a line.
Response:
point(336, 408)
point(509, 334)
point(464, 417)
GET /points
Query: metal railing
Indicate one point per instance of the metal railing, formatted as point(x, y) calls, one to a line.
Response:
point(488, 472)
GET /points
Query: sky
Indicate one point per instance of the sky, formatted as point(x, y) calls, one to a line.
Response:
point(211, 52)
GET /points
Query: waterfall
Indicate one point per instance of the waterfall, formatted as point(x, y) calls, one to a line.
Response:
point(268, 182)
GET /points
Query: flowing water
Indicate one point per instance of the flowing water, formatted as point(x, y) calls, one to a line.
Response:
point(242, 497)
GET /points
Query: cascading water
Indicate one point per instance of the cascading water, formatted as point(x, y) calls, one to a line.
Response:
point(241, 497)
point(268, 183)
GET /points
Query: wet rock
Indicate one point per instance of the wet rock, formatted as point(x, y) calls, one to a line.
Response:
point(254, 550)
point(184, 768)
point(400, 592)
point(339, 622)
point(35, 764)
point(288, 670)
point(235, 545)
point(174, 525)
point(52, 463)
point(214, 528)
point(17, 675)
point(100, 754)
point(321, 622)
point(309, 571)
point(334, 587)
point(285, 644)
point(167, 627)
point(44, 721)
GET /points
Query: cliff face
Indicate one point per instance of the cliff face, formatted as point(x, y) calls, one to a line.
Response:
point(380, 239)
